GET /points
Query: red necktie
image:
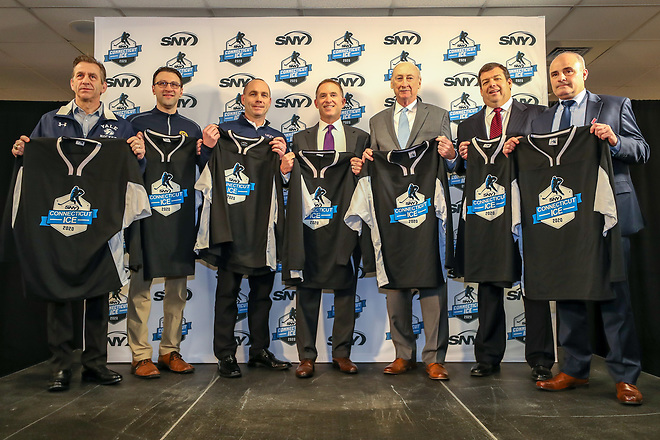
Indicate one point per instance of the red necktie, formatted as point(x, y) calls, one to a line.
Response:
point(496, 124)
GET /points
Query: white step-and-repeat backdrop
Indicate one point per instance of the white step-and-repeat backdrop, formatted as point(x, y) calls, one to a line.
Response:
point(216, 57)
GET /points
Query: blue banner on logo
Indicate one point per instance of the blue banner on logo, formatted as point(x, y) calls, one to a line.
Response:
point(555, 209)
point(459, 115)
point(233, 54)
point(322, 212)
point(462, 52)
point(166, 199)
point(128, 52)
point(494, 202)
point(463, 309)
point(239, 189)
point(298, 72)
point(347, 52)
point(517, 332)
point(410, 211)
point(522, 72)
point(56, 217)
point(187, 72)
point(284, 332)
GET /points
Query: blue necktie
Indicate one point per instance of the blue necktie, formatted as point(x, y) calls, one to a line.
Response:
point(329, 140)
point(565, 121)
point(404, 128)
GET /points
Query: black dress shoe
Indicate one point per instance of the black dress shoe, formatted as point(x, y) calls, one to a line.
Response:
point(59, 380)
point(228, 367)
point(539, 372)
point(101, 375)
point(267, 359)
point(481, 369)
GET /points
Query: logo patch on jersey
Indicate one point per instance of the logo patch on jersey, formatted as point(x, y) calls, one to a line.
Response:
point(465, 305)
point(118, 306)
point(286, 328)
point(347, 49)
point(238, 184)
point(462, 49)
point(292, 126)
point(404, 57)
point(70, 214)
point(489, 199)
point(352, 110)
point(185, 329)
point(123, 107)
point(417, 327)
point(521, 69)
point(123, 50)
point(185, 67)
point(411, 207)
point(557, 204)
point(293, 70)
point(238, 50)
point(166, 196)
point(322, 212)
point(519, 329)
point(462, 108)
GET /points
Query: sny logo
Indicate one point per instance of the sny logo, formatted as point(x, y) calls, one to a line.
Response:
point(292, 126)
point(462, 108)
point(187, 101)
point(346, 49)
point(463, 79)
point(243, 338)
point(180, 39)
point(294, 100)
point(402, 37)
point(352, 110)
point(286, 328)
point(124, 80)
point(123, 107)
point(519, 329)
point(293, 38)
point(238, 50)
point(514, 294)
point(526, 98)
point(184, 66)
point(350, 79)
point(236, 80)
point(466, 337)
point(465, 305)
point(123, 50)
point(185, 329)
point(159, 295)
point(404, 57)
point(293, 70)
point(359, 338)
point(521, 69)
point(518, 38)
point(117, 339)
point(118, 306)
point(462, 49)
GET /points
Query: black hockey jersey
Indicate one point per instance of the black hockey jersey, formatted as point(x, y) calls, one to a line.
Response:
point(72, 199)
point(404, 199)
point(243, 205)
point(571, 244)
point(316, 237)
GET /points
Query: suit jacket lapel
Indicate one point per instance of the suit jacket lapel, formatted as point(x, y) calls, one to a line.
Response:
point(517, 118)
point(310, 137)
point(389, 123)
point(545, 119)
point(420, 117)
point(480, 121)
point(351, 138)
point(594, 106)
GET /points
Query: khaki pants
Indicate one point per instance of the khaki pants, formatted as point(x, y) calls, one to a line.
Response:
point(139, 307)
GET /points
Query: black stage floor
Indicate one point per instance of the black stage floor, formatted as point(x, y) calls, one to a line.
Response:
point(269, 405)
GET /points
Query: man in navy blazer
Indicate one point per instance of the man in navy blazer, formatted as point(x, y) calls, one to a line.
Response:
point(516, 118)
point(612, 119)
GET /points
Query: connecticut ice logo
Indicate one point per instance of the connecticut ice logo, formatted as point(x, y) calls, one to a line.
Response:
point(166, 196)
point(489, 199)
point(465, 305)
point(118, 302)
point(462, 49)
point(70, 214)
point(404, 57)
point(411, 207)
point(239, 50)
point(293, 70)
point(123, 107)
point(123, 50)
point(186, 326)
point(233, 109)
point(185, 67)
point(352, 110)
point(238, 184)
point(347, 49)
point(417, 327)
point(462, 108)
point(521, 69)
point(322, 212)
point(557, 204)
point(519, 328)
point(292, 126)
point(286, 328)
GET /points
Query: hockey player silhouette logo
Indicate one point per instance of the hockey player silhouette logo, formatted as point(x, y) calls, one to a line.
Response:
point(294, 69)
point(237, 184)
point(462, 108)
point(74, 196)
point(557, 204)
point(166, 196)
point(318, 196)
point(404, 57)
point(71, 213)
point(238, 50)
point(123, 107)
point(490, 182)
point(489, 199)
point(465, 305)
point(286, 328)
point(123, 50)
point(462, 49)
point(318, 209)
point(352, 110)
point(165, 181)
point(183, 65)
point(346, 49)
point(521, 69)
point(118, 304)
point(411, 207)
point(412, 192)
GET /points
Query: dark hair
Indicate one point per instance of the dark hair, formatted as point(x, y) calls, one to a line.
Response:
point(167, 69)
point(88, 59)
point(332, 81)
point(490, 66)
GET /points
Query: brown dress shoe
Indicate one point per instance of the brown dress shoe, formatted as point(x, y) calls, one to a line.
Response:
point(345, 365)
point(145, 369)
point(399, 366)
point(175, 363)
point(628, 394)
point(437, 371)
point(305, 368)
point(561, 381)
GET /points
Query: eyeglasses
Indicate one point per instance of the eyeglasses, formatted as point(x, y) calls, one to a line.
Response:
point(164, 84)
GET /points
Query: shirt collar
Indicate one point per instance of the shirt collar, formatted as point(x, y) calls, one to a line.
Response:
point(506, 106)
point(75, 109)
point(265, 124)
point(337, 124)
point(579, 98)
point(411, 107)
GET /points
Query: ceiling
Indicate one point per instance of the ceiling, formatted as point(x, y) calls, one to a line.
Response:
point(38, 42)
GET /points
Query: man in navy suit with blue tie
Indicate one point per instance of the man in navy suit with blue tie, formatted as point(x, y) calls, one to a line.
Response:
point(612, 119)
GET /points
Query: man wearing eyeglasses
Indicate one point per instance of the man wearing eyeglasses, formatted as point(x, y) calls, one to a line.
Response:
point(164, 119)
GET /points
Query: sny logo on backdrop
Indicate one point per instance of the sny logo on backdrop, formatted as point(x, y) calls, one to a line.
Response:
point(123, 107)
point(518, 38)
point(462, 108)
point(404, 57)
point(514, 294)
point(466, 337)
point(117, 338)
point(402, 37)
point(284, 295)
point(294, 38)
point(180, 39)
point(350, 79)
point(124, 80)
point(159, 295)
point(236, 80)
point(233, 109)
point(465, 305)
point(286, 328)
point(123, 50)
point(463, 79)
point(242, 306)
point(238, 50)
point(462, 49)
point(243, 338)
point(417, 327)
point(346, 49)
point(292, 126)
point(359, 338)
point(187, 101)
point(360, 304)
point(526, 98)
point(519, 329)
point(294, 100)
point(352, 110)
point(521, 69)
point(118, 306)
point(293, 70)
point(185, 329)
point(184, 66)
